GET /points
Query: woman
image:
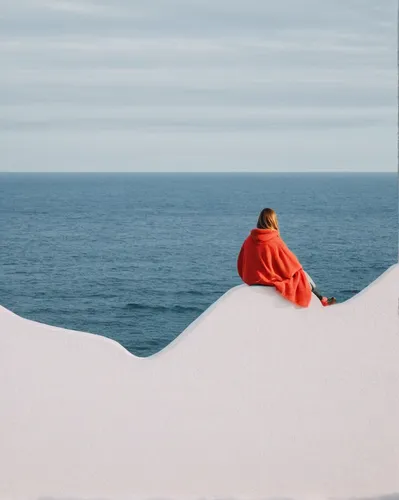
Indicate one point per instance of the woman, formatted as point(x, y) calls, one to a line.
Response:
point(265, 259)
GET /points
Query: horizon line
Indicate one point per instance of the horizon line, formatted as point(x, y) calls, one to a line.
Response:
point(202, 172)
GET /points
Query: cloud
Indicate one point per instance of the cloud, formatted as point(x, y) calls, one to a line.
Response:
point(195, 69)
point(77, 7)
point(185, 118)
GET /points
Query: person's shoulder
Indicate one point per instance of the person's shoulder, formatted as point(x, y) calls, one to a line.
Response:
point(278, 240)
point(281, 244)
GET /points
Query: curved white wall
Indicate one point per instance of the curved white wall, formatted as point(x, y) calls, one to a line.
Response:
point(256, 399)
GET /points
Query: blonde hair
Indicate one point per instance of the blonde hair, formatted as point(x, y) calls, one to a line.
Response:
point(268, 219)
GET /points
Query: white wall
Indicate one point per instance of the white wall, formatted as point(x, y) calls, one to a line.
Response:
point(256, 399)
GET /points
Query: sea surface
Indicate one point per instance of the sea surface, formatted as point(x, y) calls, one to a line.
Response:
point(138, 257)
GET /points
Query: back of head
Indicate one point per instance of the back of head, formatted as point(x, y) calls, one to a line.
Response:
point(267, 219)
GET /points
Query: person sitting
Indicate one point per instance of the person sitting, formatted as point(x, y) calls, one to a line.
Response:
point(265, 259)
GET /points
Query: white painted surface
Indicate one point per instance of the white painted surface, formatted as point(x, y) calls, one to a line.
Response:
point(255, 399)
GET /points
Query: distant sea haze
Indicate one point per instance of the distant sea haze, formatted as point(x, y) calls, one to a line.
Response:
point(138, 257)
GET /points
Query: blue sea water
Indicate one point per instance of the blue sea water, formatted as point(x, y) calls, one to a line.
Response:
point(138, 257)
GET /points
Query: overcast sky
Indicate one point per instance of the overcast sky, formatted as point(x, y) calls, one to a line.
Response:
point(198, 85)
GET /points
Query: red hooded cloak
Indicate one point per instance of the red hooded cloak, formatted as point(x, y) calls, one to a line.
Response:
point(265, 259)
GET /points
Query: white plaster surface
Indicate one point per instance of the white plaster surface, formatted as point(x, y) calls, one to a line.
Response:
point(256, 399)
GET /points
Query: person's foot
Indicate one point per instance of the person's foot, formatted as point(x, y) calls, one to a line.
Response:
point(328, 301)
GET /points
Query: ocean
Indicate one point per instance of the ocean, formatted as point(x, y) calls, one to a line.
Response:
point(138, 257)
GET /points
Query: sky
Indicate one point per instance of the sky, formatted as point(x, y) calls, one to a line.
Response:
point(198, 85)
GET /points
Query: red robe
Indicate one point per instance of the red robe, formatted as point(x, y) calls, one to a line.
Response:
point(265, 259)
